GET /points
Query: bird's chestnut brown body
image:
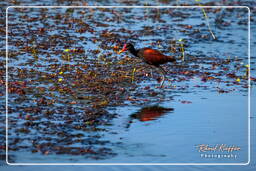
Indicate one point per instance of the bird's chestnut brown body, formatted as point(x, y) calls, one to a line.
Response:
point(154, 57)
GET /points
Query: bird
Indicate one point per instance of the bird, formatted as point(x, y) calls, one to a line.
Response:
point(150, 56)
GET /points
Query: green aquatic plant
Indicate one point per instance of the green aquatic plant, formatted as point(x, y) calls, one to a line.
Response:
point(34, 53)
point(246, 75)
point(133, 73)
point(182, 49)
point(206, 19)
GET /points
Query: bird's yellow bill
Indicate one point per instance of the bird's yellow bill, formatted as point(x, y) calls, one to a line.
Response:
point(121, 51)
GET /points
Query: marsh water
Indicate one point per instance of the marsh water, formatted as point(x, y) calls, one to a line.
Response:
point(73, 99)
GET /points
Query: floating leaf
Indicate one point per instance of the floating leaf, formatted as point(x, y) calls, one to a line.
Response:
point(73, 102)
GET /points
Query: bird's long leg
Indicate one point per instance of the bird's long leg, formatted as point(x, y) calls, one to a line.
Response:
point(163, 74)
point(151, 70)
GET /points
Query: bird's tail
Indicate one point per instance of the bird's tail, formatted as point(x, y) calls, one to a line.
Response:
point(171, 59)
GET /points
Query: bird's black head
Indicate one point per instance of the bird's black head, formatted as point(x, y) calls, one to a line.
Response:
point(127, 46)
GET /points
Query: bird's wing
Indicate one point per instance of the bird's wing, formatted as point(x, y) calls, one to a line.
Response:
point(151, 56)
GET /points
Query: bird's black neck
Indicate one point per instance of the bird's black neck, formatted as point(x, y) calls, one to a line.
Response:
point(133, 51)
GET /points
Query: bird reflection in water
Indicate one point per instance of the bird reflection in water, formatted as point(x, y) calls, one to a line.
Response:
point(149, 113)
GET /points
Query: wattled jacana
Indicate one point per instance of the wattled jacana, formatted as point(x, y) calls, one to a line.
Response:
point(150, 56)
